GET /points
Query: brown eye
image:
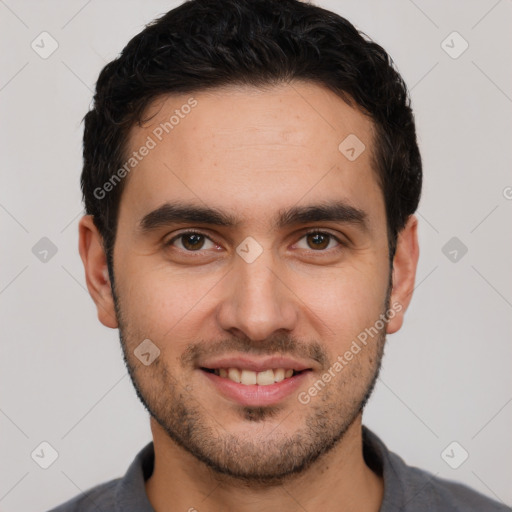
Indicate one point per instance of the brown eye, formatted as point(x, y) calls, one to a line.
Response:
point(191, 242)
point(319, 241)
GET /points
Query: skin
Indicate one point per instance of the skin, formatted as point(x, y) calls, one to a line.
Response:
point(251, 153)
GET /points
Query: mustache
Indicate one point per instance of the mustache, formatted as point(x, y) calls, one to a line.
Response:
point(276, 345)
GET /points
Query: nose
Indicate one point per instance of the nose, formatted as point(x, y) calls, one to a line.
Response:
point(258, 302)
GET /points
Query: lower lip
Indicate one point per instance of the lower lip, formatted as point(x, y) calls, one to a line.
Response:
point(253, 394)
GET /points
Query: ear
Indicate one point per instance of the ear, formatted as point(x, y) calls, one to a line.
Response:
point(404, 273)
point(90, 246)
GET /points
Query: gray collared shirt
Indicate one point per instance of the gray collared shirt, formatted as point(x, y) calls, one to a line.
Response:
point(406, 488)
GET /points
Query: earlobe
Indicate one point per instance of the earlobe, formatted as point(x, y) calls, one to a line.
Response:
point(404, 273)
point(93, 256)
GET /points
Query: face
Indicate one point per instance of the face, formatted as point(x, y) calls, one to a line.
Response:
point(252, 252)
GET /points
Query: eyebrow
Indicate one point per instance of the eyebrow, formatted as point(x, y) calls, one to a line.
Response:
point(179, 213)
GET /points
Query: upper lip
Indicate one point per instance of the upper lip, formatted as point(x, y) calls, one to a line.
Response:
point(255, 364)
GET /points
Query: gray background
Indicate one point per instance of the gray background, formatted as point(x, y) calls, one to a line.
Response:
point(446, 374)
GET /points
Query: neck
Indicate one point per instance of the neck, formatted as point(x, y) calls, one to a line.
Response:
point(340, 480)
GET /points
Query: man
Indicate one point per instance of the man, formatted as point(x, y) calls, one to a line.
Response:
point(250, 176)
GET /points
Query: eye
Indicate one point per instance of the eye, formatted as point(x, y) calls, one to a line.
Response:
point(191, 241)
point(319, 241)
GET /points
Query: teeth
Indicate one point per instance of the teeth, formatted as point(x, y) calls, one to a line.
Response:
point(248, 377)
point(234, 374)
point(279, 375)
point(265, 378)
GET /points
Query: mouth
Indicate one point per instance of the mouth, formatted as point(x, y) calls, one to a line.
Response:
point(256, 383)
point(250, 378)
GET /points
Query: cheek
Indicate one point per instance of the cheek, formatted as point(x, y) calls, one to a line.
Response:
point(162, 303)
point(345, 303)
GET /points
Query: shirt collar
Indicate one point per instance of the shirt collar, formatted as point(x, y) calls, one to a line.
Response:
point(131, 491)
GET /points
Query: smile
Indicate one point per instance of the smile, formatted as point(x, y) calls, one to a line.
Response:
point(249, 377)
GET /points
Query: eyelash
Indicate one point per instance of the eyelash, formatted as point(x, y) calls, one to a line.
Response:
point(341, 245)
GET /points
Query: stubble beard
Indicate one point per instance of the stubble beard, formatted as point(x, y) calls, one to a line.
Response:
point(261, 460)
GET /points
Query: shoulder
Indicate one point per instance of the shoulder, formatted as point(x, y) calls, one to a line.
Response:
point(408, 488)
point(100, 497)
point(429, 492)
point(120, 494)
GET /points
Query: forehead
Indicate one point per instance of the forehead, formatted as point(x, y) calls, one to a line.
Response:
point(242, 149)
